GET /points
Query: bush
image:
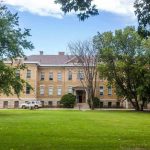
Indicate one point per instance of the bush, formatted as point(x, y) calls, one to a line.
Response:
point(68, 100)
point(96, 102)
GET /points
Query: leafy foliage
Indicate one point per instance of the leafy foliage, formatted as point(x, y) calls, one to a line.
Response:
point(12, 43)
point(96, 102)
point(84, 8)
point(68, 100)
point(143, 14)
point(125, 58)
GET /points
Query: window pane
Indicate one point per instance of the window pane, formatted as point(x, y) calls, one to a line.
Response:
point(69, 89)
point(41, 90)
point(27, 89)
point(59, 90)
point(42, 76)
point(109, 90)
point(18, 73)
point(51, 76)
point(28, 73)
point(69, 75)
point(101, 90)
point(50, 91)
point(59, 76)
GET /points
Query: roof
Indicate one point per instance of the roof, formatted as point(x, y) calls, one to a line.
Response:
point(49, 59)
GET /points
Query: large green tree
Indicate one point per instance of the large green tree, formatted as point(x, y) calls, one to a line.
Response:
point(125, 62)
point(83, 8)
point(143, 14)
point(12, 43)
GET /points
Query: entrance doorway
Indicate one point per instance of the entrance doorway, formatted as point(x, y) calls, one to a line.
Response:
point(16, 104)
point(80, 96)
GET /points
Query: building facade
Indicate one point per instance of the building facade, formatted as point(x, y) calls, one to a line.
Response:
point(52, 76)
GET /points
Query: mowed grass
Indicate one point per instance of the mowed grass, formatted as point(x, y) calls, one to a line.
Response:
point(74, 130)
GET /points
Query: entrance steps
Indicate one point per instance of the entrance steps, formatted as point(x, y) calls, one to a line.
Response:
point(81, 106)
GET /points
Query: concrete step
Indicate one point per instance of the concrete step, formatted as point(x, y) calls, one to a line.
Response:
point(81, 106)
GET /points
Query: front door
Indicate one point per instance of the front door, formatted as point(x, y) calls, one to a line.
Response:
point(80, 98)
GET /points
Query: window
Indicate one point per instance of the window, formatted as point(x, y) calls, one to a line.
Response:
point(5, 104)
point(27, 89)
point(16, 104)
point(117, 104)
point(59, 76)
point(109, 104)
point(101, 104)
point(101, 90)
point(69, 75)
point(42, 76)
point(109, 90)
point(50, 103)
point(51, 76)
point(80, 75)
point(59, 90)
point(69, 89)
point(41, 90)
point(50, 90)
point(28, 73)
point(18, 73)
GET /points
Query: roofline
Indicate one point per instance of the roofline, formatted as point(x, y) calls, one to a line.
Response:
point(25, 62)
point(47, 65)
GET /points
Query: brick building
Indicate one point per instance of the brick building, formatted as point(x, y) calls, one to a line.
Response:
point(52, 76)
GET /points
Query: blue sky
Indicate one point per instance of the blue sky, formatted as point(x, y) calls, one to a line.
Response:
point(51, 31)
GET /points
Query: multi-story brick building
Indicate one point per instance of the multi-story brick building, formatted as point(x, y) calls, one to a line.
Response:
point(52, 76)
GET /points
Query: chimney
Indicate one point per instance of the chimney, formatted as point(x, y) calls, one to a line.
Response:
point(41, 52)
point(61, 53)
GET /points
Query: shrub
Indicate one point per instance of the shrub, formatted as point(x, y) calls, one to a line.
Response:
point(96, 102)
point(68, 100)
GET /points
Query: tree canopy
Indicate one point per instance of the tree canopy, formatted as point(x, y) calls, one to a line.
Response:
point(125, 62)
point(13, 42)
point(143, 14)
point(84, 8)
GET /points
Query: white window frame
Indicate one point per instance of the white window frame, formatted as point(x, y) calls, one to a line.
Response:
point(28, 73)
point(109, 90)
point(50, 90)
point(70, 89)
point(42, 89)
point(101, 90)
point(59, 91)
point(51, 76)
point(59, 76)
point(42, 76)
point(69, 75)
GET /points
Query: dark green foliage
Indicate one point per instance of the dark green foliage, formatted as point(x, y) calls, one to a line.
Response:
point(96, 102)
point(84, 8)
point(68, 100)
point(143, 14)
point(12, 43)
point(126, 61)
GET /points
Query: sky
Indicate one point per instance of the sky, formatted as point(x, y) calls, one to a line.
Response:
point(51, 30)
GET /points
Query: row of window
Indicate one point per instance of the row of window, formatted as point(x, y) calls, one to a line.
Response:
point(51, 90)
point(102, 90)
point(59, 90)
point(28, 75)
point(80, 76)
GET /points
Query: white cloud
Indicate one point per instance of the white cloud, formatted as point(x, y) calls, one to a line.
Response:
point(122, 7)
point(49, 8)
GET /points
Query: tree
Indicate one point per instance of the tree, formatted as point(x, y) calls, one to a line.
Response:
point(86, 60)
point(84, 8)
point(125, 62)
point(12, 43)
point(68, 100)
point(142, 11)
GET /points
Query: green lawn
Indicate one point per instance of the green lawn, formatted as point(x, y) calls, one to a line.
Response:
point(74, 130)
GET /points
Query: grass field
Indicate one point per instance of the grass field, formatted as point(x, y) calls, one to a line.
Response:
point(74, 130)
